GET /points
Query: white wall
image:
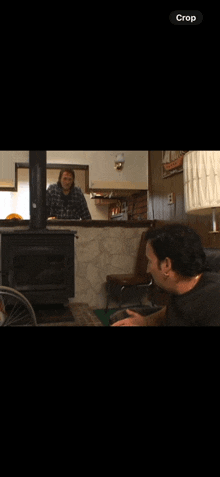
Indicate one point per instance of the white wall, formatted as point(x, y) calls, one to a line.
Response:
point(16, 202)
point(7, 166)
point(101, 166)
point(134, 174)
point(102, 174)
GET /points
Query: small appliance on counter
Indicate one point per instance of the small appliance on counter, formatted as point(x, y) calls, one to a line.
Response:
point(120, 213)
point(120, 216)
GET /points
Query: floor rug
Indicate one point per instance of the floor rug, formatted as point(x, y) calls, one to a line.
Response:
point(74, 314)
point(53, 314)
point(103, 316)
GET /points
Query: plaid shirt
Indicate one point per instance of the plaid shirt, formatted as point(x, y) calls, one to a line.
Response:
point(71, 206)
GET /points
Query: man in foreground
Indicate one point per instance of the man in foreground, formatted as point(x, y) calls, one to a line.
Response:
point(177, 263)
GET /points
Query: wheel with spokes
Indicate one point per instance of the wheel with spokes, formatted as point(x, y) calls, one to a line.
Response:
point(15, 309)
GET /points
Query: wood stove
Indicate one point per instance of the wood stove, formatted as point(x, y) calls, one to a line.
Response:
point(39, 262)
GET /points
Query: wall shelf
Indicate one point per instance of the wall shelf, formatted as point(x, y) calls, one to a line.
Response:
point(103, 201)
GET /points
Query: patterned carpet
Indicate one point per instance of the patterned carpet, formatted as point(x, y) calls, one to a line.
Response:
point(75, 314)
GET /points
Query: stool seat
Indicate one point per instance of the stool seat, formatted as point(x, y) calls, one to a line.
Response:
point(140, 280)
point(129, 279)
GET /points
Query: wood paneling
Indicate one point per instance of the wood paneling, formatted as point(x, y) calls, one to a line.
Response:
point(159, 209)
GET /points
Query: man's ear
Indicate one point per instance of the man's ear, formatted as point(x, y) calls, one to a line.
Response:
point(166, 265)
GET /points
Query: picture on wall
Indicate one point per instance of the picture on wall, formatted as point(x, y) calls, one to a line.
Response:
point(172, 162)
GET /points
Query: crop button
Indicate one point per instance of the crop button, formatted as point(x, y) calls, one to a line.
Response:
point(186, 17)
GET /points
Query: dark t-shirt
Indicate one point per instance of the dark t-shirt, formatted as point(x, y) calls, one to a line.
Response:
point(198, 307)
point(65, 198)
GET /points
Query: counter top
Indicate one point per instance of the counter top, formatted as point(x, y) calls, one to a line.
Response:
point(82, 223)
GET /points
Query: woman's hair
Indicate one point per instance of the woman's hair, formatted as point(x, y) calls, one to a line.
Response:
point(182, 245)
point(70, 171)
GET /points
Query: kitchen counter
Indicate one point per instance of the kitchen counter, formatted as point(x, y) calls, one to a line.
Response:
point(82, 223)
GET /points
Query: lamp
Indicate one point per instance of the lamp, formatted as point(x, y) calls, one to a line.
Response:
point(201, 177)
point(119, 162)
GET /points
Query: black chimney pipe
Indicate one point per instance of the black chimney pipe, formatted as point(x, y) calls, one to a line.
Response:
point(37, 184)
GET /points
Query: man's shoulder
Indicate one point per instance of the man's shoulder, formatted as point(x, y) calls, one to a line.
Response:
point(205, 289)
point(76, 191)
point(211, 278)
point(198, 307)
point(53, 188)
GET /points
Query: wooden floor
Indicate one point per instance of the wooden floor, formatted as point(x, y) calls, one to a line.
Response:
point(76, 314)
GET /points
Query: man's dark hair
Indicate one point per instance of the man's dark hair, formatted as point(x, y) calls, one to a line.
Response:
point(70, 171)
point(182, 245)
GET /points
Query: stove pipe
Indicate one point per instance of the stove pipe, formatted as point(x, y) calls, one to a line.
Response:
point(37, 185)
